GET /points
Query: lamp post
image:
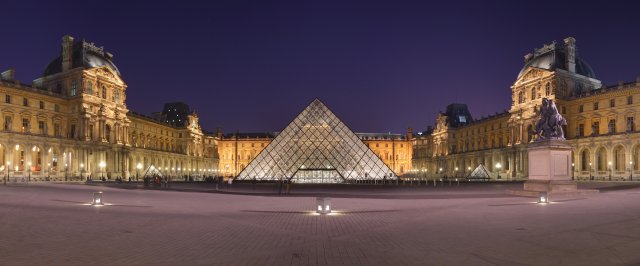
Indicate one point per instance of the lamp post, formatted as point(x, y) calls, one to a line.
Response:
point(29, 172)
point(630, 170)
point(456, 172)
point(138, 167)
point(590, 176)
point(81, 171)
point(65, 171)
point(48, 171)
point(498, 166)
point(573, 170)
point(610, 170)
point(102, 165)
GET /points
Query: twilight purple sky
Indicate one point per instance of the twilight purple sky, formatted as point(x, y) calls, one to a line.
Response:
point(379, 65)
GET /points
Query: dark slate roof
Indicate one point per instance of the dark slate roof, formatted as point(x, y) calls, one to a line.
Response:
point(553, 57)
point(83, 56)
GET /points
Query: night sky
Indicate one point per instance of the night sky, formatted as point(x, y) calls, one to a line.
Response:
point(380, 66)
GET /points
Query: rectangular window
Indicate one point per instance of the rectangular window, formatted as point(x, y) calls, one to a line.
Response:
point(564, 110)
point(595, 106)
point(41, 127)
point(25, 125)
point(7, 99)
point(7, 123)
point(91, 132)
point(72, 131)
point(629, 99)
point(595, 128)
point(580, 108)
point(56, 129)
point(104, 92)
point(74, 87)
point(630, 126)
point(41, 105)
point(580, 130)
point(612, 103)
point(612, 126)
point(25, 102)
point(56, 108)
point(89, 88)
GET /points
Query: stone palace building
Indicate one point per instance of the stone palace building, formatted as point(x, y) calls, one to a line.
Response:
point(73, 122)
point(601, 124)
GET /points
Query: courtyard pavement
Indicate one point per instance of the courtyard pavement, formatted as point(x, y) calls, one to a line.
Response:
point(52, 224)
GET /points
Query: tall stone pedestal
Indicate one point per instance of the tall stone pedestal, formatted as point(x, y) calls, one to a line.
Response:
point(550, 167)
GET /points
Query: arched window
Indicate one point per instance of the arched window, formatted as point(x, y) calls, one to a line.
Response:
point(584, 160)
point(521, 97)
point(533, 93)
point(107, 132)
point(618, 156)
point(547, 89)
point(116, 96)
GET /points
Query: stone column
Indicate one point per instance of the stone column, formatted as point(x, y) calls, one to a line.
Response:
point(101, 127)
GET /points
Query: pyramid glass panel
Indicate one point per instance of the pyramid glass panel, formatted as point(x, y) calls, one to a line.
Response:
point(316, 147)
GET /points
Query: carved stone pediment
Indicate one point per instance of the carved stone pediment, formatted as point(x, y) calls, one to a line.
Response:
point(107, 73)
point(530, 74)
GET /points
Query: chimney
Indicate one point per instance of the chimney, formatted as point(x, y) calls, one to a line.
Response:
point(67, 52)
point(409, 133)
point(570, 52)
point(8, 75)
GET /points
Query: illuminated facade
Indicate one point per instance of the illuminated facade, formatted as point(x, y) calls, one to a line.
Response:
point(601, 124)
point(73, 122)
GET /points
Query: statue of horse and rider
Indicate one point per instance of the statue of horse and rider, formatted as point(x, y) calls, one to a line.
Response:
point(551, 121)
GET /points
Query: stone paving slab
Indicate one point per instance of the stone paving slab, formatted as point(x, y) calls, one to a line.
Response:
point(50, 224)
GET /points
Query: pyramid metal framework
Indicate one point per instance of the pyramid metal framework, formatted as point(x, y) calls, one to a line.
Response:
point(316, 147)
point(480, 173)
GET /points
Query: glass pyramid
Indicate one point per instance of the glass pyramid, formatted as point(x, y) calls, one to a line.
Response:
point(316, 147)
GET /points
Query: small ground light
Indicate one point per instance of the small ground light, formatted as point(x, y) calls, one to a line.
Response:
point(97, 198)
point(323, 205)
point(543, 197)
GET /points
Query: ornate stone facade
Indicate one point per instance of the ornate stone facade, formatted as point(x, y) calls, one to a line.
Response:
point(600, 124)
point(73, 122)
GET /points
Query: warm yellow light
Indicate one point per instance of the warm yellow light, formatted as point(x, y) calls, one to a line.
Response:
point(139, 166)
point(81, 165)
point(102, 164)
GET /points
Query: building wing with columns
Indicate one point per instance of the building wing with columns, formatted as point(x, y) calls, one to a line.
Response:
point(73, 122)
point(601, 124)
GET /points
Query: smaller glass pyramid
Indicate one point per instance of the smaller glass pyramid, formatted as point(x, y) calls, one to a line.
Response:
point(316, 147)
